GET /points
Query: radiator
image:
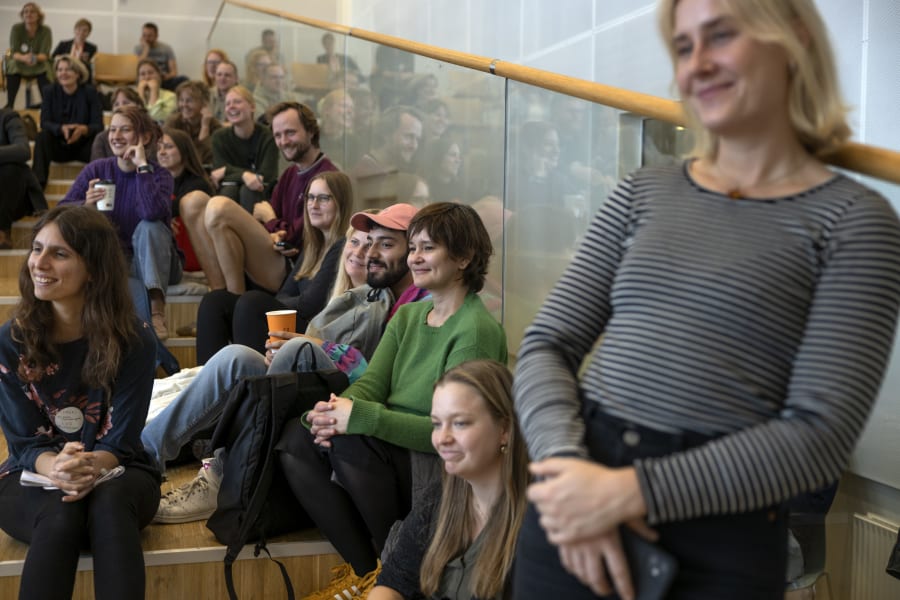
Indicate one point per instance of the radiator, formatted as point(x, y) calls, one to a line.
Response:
point(873, 538)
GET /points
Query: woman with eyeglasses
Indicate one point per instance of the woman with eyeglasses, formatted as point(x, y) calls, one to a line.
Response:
point(214, 57)
point(224, 317)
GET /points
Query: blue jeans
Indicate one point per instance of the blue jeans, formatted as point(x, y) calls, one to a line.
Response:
point(198, 407)
point(156, 262)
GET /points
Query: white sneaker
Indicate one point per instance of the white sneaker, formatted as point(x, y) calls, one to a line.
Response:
point(196, 500)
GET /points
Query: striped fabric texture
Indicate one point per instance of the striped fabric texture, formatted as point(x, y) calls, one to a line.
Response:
point(765, 323)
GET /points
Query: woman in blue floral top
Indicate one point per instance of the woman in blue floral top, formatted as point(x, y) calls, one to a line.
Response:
point(76, 372)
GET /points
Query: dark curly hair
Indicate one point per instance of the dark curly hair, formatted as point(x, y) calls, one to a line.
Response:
point(108, 318)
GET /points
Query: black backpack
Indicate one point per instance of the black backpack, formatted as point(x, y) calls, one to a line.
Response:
point(254, 500)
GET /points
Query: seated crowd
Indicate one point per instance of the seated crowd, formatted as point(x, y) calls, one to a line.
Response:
point(378, 234)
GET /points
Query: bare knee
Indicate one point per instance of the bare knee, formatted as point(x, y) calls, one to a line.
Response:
point(192, 205)
point(220, 212)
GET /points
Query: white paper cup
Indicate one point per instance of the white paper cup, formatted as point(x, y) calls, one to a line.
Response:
point(108, 202)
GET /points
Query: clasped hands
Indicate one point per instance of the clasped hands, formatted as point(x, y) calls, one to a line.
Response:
point(329, 419)
point(581, 504)
point(74, 471)
point(72, 132)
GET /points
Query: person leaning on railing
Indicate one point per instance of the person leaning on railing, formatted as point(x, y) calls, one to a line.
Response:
point(747, 300)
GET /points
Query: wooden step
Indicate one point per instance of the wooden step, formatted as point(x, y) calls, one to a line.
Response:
point(58, 187)
point(67, 170)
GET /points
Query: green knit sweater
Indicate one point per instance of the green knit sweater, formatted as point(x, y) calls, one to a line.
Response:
point(392, 400)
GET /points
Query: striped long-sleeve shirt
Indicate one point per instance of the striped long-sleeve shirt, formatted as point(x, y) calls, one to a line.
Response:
point(764, 323)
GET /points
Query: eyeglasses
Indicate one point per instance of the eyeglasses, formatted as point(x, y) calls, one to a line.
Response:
point(321, 198)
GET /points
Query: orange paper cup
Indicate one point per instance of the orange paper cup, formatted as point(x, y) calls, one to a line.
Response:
point(281, 320)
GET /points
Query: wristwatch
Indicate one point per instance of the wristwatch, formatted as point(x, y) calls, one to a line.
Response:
point(145, 169)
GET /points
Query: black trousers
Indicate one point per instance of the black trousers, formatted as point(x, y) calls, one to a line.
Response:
point(373, 488)
point(12, 87)
point(224, 318)
point(14, 201)
point(740, 557)
point(108, 522)
point(49, 147)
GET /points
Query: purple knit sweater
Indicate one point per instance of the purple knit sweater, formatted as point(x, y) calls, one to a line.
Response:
point(139, 196)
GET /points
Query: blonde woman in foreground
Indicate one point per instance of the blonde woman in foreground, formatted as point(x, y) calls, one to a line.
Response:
point(747, 300)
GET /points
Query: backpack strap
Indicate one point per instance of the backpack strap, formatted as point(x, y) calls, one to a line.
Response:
point(260, 547)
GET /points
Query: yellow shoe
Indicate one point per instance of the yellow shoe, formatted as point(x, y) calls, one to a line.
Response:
point(346, 585)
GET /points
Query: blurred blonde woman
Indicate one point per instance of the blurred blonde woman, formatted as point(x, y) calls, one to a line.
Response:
point(747, 300)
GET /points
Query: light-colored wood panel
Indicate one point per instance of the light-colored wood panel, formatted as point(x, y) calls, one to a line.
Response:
point(254, 579)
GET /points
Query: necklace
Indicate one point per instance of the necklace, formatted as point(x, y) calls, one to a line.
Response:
point(737, 192)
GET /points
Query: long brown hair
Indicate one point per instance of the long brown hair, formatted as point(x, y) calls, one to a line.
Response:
point(190, 160)
point(108, 317)
point(315, 242)
point(454, 531)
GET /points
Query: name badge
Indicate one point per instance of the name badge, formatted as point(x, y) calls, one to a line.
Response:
point(69, 419)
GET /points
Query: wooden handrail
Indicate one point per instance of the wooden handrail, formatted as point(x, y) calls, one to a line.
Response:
point(874, 161)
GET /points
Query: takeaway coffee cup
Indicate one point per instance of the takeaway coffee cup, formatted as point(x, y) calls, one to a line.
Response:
point(281, 320)
point(109, 201)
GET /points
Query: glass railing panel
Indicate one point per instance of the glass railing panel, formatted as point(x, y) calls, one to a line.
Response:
point(239, 32)
point(562, 160)
point(428, 131)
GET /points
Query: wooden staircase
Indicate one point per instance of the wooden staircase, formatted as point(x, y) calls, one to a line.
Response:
point(182, 561)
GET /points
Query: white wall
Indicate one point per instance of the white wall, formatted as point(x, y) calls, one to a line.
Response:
point(182, 24)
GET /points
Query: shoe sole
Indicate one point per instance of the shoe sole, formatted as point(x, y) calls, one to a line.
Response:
point(174, 519)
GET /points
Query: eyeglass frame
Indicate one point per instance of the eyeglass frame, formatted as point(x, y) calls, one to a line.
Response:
point(320, 198)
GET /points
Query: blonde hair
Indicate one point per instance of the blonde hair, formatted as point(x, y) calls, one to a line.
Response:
point(454, 530)
point(342, 281)
point(243, 93)
point(74, 64)
point(815, 108)
point(316, 242)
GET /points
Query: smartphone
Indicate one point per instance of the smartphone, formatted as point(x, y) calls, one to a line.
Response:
point(652, 569)
point(283, 245)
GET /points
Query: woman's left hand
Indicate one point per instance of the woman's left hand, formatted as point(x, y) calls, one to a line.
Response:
point(329, 419)
point(578, 499)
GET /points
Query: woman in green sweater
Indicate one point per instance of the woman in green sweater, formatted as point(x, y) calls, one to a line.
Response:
point(29, 43)
point(365, 436)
